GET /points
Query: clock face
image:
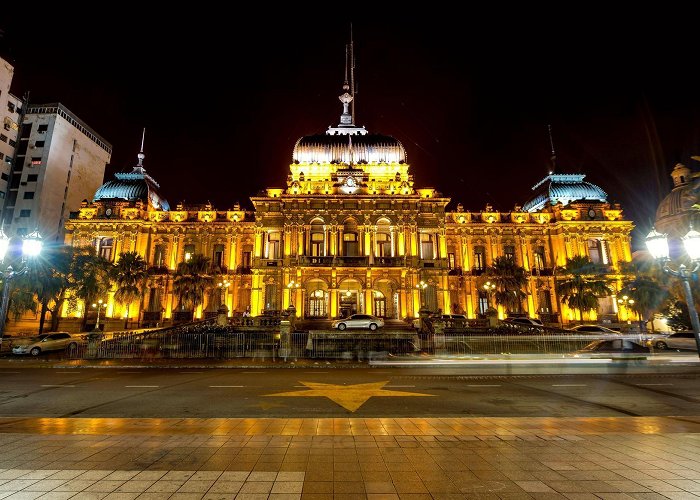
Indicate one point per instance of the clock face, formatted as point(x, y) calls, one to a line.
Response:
point(350, 181)
point(108, 211)
point(591, 213)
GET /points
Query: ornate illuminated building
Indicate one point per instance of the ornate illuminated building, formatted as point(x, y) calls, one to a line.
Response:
point(351, 232)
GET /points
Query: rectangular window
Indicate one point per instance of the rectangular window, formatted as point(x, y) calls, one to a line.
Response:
point(218, 256)
point(189, 251)
point(25, 213)
point(3, 138)
point(39, 144)
point(479, 258)
point(483, 302)
point(273, 245)
point(42, 128)
point(2, 156)
point(539, 258)
point(426, 246)
point(451, 260)
point(6, 126)
point(159, 256)
point(12, 143)
point(29, 195)
point(104, 248)
point(509, 252)
point(10, 107)
point(32, 177)
point(4, 176)
point(246, 259)
point(26, 131)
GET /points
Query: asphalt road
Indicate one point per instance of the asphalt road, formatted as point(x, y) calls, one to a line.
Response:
point(340, 392)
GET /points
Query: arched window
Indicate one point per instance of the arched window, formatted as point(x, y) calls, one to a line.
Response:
point(384, 247)
point(426, 246)
point(598, 251)
point(351, 242)
point(318, 238)
point(273, 245)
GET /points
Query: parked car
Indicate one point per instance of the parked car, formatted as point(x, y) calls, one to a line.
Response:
point(678, 340)
point(605, 347)
point(57, 341)
point(359, 321)
point(594, 329)
point(525, 321)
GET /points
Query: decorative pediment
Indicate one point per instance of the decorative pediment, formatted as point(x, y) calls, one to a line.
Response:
point(88, 213)
point(569, 214)
point(158, 216)
point(178, 216)
point(612, 214)
point(519, 217)
point(234, 215)
point(490, 217)
point(541, 217)
point(130, 213)
point(206, 215)
point(462, 217)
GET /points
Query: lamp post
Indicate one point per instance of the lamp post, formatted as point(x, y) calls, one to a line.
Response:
point(657, 244)
point(421, 286)
point(99, 305)
point(31, 247)
point(292, 285)
point(223, 289)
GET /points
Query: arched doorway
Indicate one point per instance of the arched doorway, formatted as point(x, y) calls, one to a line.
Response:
point(385, 299)
point(350, 298)
point(317, 302)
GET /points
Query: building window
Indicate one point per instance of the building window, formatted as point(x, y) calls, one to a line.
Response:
point(159, 256)
point(273, 245)
point(2, 155)
point(42, 128)
point(479, 258)
point(39, 144)
point(105, 247)
point(383, 245)
point(597, 251)
point(29, 195)
point(540, 260)
point(218, 256)
point(426, 246)
point(12, 143)
point(32, 177)
point(6, 126)
point(246, 259)
point(2, 194)
point(189, 251)
point(4, 176)
point(451, 261)
point(318, 239)
point(26, 131)
point(25, 213)
point(10, 107)
point(509, 252)
point(3, 138)
point(271, 300)
point(483, 302)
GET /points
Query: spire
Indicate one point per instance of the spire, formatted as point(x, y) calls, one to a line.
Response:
point(553, 158)
point(347, 119)
point(141, 156)
point(352, 76)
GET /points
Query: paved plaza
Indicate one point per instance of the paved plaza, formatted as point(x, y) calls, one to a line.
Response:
point(350, 458)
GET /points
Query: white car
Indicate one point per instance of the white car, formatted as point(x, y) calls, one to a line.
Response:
point(359, 321)
point(678, 341)
point(57, 341)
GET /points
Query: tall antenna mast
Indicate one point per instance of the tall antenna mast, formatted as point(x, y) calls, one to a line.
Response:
point(553, 158)
point(352, 77)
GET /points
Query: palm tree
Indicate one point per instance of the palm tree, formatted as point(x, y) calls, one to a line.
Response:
point(191, 281)
point(645, 288)
point(129, 274)
point(89, 278)
point(510, 280)
point(581, 284)
point(50, 281)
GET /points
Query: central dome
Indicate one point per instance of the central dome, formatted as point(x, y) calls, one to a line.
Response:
point(349, 149)
point(564, 189)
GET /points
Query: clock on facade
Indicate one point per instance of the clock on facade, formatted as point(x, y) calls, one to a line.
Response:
point(591, 213)
point(108, 212)
point(349, 185)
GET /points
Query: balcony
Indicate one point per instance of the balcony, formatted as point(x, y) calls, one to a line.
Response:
point(389, 261)
point(317, 261)
point(351, 261)
point(478, 271)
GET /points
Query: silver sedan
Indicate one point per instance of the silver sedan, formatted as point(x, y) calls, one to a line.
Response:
point(359, 321)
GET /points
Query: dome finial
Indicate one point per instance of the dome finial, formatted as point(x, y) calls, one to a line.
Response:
point(141, 156)
point(347, 119)
point(553, 158)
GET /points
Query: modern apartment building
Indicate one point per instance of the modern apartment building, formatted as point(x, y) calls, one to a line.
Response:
point(59, 162)
point(10, 113)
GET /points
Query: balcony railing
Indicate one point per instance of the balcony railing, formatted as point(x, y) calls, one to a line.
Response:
point(322, 261)
point(389, 261)
point(338, 260)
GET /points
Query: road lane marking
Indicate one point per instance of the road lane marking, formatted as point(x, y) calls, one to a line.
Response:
point(56, 385)
point(569, 385)
point(653, 384)
point(141, 386)
point(312, 372)
point(484, 385)
point(394, 386)
point(128, 372)
point(226, 386)
point(254, 372)
point(191, 372)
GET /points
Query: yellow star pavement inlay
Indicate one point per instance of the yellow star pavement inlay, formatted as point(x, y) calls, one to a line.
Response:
point(350, 397)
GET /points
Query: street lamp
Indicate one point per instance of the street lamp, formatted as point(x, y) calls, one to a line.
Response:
point(421, 286)
point(292, 285)
point(223, 288)
point(99, 305)
point(657, 244)
point(31, 247)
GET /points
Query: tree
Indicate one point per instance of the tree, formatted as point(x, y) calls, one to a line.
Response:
point(581, 284)
point(645, 288)
point(192, 279)
point(89, 278)
point(129, 274)
point(510, 280)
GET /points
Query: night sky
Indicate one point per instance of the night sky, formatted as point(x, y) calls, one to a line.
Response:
point(224, 98)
